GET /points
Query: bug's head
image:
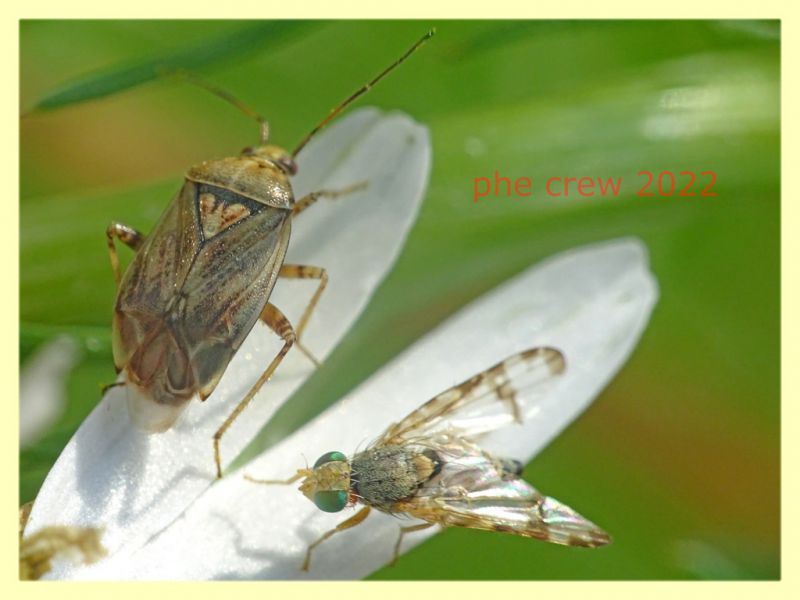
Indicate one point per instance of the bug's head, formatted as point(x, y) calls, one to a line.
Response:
point(274, 154)
point(328, 484)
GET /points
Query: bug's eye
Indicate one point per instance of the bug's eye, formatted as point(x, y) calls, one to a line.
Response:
point(332, 501)
point(288, 165)
point(329, 457)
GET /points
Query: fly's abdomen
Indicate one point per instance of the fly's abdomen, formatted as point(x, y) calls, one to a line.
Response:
point(510, 467)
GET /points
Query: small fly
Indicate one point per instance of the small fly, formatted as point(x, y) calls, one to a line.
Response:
point(428, 466)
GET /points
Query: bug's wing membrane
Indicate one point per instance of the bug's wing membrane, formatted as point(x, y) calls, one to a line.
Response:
point(157, 270)
point(487, 401)
point(475, 491)
point(237, 270)
point(163, 260)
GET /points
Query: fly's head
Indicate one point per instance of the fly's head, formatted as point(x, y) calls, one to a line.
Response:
point(275, 155)
point(327, 485)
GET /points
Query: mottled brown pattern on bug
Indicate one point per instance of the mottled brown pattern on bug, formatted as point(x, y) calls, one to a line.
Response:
point(216, 216)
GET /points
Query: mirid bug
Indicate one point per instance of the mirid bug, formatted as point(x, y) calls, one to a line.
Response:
point(429, 466)
point(203, 277)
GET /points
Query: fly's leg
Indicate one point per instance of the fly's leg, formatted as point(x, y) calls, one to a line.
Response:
point(306, 272)
point(403, 531)
point(301, 473)
point(306, 201)
point(128, 236)
point(275, 320)
point(351, 522)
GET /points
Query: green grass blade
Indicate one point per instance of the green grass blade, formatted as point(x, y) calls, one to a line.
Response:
point(121, 77)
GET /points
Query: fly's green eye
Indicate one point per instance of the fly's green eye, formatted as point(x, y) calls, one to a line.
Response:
point(331, 501)
point(329, 457)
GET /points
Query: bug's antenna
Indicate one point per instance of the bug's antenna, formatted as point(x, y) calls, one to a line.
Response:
point(225, 95)
point(361, 91)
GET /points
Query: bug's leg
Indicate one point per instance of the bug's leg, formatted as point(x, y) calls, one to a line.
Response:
point(306, 201)
point(351, 522)
point(306, 272)
point(403, 531)
point(128, 236)
point(275, 320)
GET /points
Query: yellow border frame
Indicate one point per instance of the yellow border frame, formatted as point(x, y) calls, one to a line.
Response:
point(423, 10)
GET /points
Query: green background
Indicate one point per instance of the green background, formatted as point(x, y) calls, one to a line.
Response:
point(679, 458)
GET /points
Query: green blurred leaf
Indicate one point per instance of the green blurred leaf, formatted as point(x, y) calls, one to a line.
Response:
point(121, 77)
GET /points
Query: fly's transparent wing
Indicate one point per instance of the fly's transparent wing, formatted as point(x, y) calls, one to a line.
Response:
point(474, 489)
point(487, 401)
point(478, 491)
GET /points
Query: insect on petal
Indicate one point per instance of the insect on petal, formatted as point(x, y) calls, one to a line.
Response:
point(133, 484)
point(593, 303)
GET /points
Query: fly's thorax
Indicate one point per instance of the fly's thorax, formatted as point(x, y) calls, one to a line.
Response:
point(383, 476)
point(261, 174)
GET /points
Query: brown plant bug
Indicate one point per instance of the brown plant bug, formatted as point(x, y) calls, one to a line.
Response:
point(203, 277)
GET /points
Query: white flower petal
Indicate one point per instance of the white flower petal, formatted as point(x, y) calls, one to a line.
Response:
point(133, 484)
point(42, 384)
point(593, 303)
